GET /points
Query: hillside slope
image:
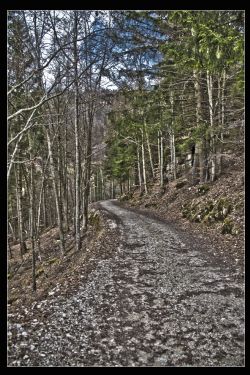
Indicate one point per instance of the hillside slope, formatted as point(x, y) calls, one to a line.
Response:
point(214, 211)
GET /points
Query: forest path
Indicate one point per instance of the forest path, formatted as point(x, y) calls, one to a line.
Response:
point(160, 300)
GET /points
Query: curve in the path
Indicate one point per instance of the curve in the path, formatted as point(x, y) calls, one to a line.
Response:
point(157, 302)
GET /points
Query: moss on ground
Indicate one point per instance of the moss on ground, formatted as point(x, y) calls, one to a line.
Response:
point(210, 212)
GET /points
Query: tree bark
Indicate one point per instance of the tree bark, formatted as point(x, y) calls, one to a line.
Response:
point(221, 120)
point(150, 153)
point(32, 218)
point(144, 164)
point(44, 205)
point(77, 148)
point(65, 183)
point(54, 180)
point(22, 244)
point(172, 138)
point(198, 164)
point(160, 157)
point(139, 168)
point(211, 116)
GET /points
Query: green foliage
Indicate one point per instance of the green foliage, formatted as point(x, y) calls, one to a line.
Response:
point(207, 40)
point(120, 158)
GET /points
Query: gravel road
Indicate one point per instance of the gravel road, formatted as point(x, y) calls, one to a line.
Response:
point(160, 300)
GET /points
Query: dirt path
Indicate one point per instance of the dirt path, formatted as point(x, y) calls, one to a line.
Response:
point(160, 300)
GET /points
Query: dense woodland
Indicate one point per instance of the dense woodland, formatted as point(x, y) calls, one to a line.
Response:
point(101, 103)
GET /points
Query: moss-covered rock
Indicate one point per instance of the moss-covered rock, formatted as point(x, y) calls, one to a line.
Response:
point(39, 272)
point(208, 207)
point(210, 212)
point(227, 227)
point(192, 211)
point(224, 206)
point(235, 231)
point(202, 189)
point(126, 197)
point(53, 260)
point(94, 218)
point(221, 209)
point(208, 219)
point(186, 210)
point(196, 217)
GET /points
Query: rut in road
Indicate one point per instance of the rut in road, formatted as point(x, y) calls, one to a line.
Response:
point(159, 301)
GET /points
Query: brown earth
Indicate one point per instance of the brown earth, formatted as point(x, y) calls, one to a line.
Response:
point(54, 270)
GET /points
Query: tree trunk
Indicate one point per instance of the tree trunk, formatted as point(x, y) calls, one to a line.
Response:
point(12, 231)
point(221, 120)
point(139, 168)
point(144, 164)
point(9, 249)
point(65, 184)
point(150, 153)
point(129, 182)
point(102, 184)
point(172, 138)
point(113, 189)
point(32, 230)
point(45, 220)
point(71, 195)
point(77, 148)
point(195, 173)
point(172, 153)
point(19, 210)
point(97, 186)
point(198, 164)
point(211, 116)
point(199, 152)
point(54, 180)
point(161, 160)
point(32, 218)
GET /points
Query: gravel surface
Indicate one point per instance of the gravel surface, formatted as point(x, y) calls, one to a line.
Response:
point(159, 300)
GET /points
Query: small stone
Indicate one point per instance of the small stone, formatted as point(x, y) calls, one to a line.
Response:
point(24, 334)
point(26, 356)
point(23, 344)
